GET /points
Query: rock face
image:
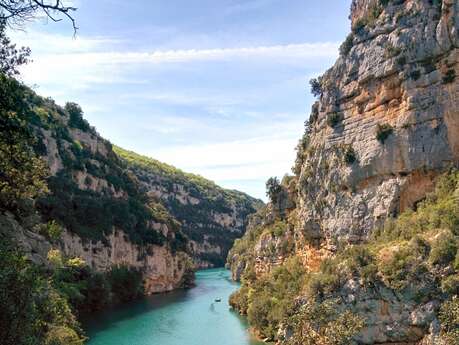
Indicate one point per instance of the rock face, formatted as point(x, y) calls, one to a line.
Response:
point(211, 217)
point(106, 218)
point(385, 127)
point(398, 76)
point(163, 270)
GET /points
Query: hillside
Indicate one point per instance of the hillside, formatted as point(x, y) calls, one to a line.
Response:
point(210, 216)
point(360, 245)
point(105, 217)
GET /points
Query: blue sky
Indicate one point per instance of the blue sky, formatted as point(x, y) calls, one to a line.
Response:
point(214, 87)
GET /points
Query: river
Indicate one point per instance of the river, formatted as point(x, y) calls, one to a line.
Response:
point(185, 317)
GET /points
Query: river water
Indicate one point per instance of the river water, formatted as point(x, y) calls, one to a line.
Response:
point(186, 317)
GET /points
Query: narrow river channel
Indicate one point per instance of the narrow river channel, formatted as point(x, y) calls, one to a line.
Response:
point(187, 317)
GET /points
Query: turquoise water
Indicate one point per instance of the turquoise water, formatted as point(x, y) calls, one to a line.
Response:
point(188, 317)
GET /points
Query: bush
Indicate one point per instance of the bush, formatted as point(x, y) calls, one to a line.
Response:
point(239, 300)
point(76, 116)
point(334, 119)
point(383, 132)
point(449, 318)
point(444, 249)
point(273, 189)
point(415, 75)
point(316, 86)
point(323, 323)
point(400, 266)
point(350, 157)
point(449, 76)
point(126, 283)
point(347, 45)
point(450, 285)
point(32, 308)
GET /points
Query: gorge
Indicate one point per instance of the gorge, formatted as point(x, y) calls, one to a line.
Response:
point(360, 245)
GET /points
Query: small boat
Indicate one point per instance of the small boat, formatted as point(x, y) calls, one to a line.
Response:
point(218, 300)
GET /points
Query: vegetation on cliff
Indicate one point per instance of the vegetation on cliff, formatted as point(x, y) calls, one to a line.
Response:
point(415, 254)
point(208, 213)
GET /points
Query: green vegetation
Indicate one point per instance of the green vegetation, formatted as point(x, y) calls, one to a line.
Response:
point(334, 119)
point(76, 116)
point(449, 317)
point(34, 311)
point(383, 131)
point(196, 218)
point(323, 324)
point(316, 86)
point(369, 20)
point(415, 74)
point(271, 298)
point(347, 45)
point(22, 173)
point(406, 255)
point(273, 189)
point(350, 156)
point(449, 77)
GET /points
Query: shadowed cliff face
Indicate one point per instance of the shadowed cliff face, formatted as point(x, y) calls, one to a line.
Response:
point(384, 128)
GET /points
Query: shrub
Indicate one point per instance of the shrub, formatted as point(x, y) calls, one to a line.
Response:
point(392, 51)
point(347, 45)
point(350, 157)
point(449, 318)
point(449, 76)
point(415, 75)
point(444, 249)
point(76, 116)
point(383, 132)
point(126, 283)
point(450, 285)
point(400, 266)
point(316, 86)
point(273, 189)
point(323, 323)
point(401, 60)
point(62, 335)
point(334, 119)
point(239, 300)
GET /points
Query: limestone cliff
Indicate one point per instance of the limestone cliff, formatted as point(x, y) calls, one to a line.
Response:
point(211, 217)
point(106, 218)
point(385, 128)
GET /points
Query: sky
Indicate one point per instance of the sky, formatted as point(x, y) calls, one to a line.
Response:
point(214, 87)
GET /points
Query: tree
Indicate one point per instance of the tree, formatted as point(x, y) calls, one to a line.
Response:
point(16, 12)
point(22, 173)
point(10, 56)
point(323, 324)
point(273, 188)
point(316, 86)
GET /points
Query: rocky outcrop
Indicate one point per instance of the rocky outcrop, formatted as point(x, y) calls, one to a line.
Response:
point(399, 76)
point(163, 270)
point(385, 128)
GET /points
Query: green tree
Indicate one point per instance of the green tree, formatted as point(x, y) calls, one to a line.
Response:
point(22, 173)
point(273, 188)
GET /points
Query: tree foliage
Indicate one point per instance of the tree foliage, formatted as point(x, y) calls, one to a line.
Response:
point(11, 57)
point(322, 323)
point(33, 311)
point(22, 173)
point(273, 188)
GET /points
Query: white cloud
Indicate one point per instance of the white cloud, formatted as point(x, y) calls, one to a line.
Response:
point(252, 159)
